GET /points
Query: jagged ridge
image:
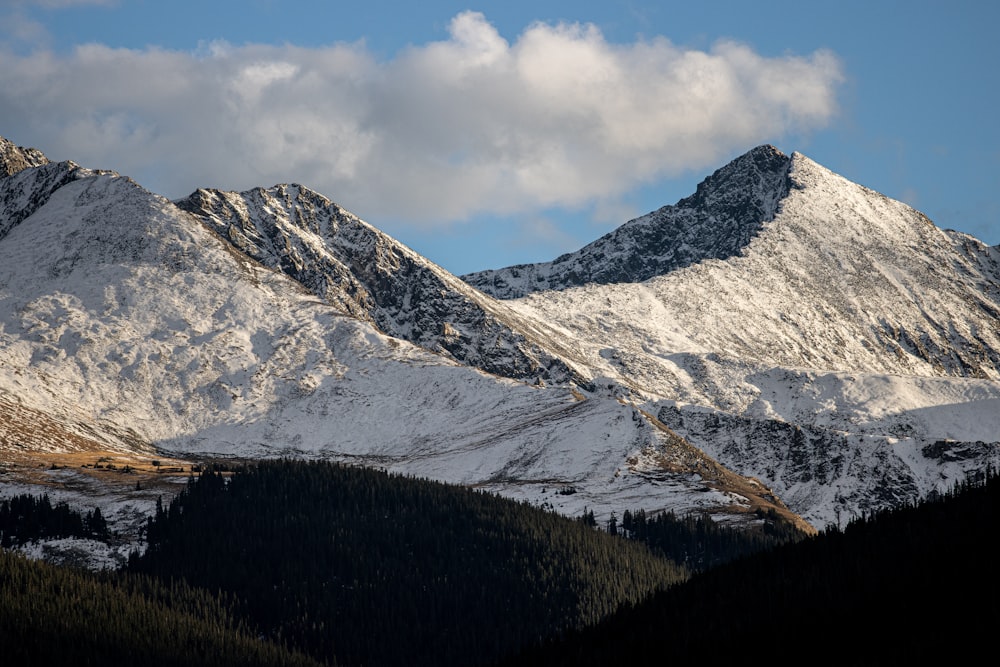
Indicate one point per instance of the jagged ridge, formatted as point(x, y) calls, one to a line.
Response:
point(371, 276)
point(727, 210)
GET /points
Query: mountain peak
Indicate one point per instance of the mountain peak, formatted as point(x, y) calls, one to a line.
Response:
point(17, 158)
point(747, 188)
point(727, 210)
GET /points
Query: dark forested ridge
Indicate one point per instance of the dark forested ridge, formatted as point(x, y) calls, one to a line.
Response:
point(909, 586)
point(378, 569)
point(53, 615)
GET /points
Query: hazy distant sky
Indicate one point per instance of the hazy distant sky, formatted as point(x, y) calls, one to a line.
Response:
point(483, 136)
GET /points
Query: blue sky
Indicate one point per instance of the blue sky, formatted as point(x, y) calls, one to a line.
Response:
point(483, 136)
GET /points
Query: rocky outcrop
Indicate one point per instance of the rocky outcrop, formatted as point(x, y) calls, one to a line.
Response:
point(17, 158)
point(830, 475)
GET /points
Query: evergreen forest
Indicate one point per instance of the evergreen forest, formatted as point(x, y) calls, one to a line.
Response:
point(367, 568)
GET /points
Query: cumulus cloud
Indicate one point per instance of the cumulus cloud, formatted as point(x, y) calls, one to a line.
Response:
point(557, 118)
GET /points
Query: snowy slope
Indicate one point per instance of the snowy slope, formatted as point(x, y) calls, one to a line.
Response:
point(128, 322)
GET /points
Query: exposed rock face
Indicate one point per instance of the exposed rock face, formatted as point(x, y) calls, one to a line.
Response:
point(16, 158)
point(837, 474)
point(728, 209)
point(369, 275)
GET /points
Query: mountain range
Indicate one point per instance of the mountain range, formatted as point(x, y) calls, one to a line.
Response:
point(782, 342)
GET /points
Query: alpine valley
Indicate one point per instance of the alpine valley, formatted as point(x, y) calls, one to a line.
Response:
point(782, 340)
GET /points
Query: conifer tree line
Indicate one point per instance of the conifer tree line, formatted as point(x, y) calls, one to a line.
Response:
point(25, 518)
point(696, 540)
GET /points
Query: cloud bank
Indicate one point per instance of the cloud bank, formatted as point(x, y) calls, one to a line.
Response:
point(439, 133)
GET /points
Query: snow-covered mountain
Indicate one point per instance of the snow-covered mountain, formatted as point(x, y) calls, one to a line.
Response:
point(821, 337)
point(130, 324)
point(781, 337)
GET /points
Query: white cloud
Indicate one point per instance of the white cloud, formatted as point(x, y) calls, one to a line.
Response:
point(18, 28)
point(559, 117)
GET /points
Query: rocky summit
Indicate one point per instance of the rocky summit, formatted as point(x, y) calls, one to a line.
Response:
point(727, 210)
